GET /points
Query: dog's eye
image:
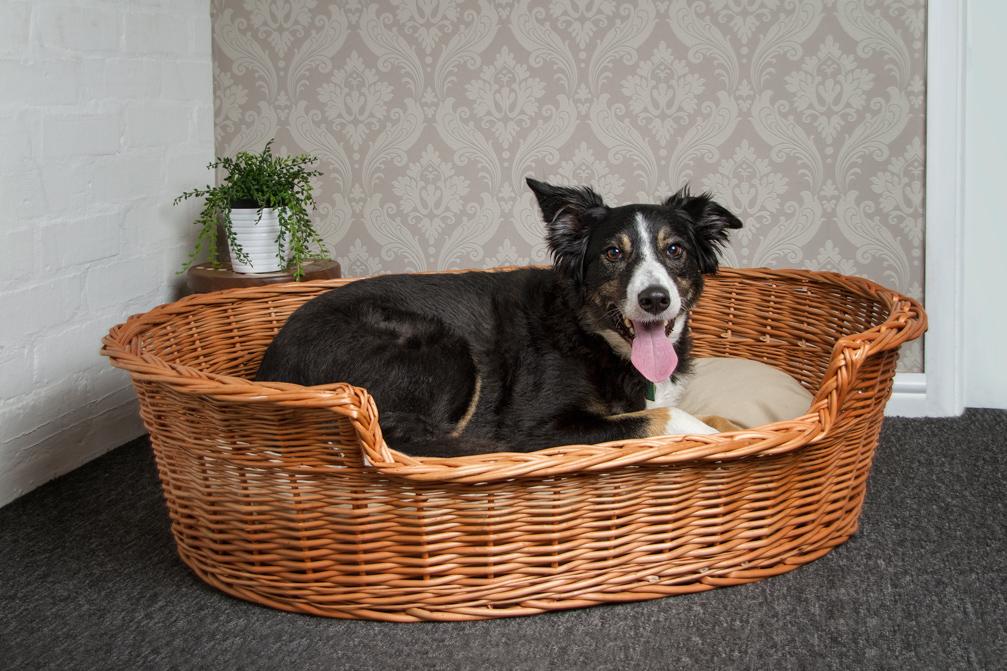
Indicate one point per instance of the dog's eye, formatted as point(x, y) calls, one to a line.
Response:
point(613, 254)
point(675, 250)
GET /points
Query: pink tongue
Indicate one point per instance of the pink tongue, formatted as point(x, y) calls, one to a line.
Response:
point(653, 354)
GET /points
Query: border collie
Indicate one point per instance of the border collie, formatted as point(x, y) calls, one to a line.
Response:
point(524, 359)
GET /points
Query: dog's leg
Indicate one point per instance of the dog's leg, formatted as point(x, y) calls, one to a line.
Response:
point(587, 427)
point(668, 422)
point(681, 422)
point(419, 436)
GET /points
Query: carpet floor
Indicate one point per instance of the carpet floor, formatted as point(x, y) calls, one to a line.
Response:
point(89, 579)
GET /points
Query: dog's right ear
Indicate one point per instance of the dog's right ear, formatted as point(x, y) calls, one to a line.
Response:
point(568, 213)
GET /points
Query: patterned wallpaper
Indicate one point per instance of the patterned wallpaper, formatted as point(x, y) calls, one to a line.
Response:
point(804, 117)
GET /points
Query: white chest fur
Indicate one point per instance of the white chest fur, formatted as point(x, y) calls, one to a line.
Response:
point(667, 394)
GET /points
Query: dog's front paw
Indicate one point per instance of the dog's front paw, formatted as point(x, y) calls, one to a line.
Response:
point(680, 422)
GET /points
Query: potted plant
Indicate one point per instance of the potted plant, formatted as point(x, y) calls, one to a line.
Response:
point(262, 204)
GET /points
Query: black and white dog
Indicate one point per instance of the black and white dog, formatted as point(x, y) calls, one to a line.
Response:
point(520, 360)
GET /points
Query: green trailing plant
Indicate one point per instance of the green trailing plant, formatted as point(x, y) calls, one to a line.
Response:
point(260, 181)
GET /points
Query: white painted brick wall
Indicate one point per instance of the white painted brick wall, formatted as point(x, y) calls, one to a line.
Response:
point(81, 135)
point(106, 115)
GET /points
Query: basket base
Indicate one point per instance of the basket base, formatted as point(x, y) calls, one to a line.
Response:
point(619, 589)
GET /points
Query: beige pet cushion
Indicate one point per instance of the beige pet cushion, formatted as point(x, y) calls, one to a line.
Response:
point(743, 392)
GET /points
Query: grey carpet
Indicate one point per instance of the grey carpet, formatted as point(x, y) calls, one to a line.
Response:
point(89, 580)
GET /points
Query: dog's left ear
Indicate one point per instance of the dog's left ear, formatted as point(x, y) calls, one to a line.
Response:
point(710, 222)
point(568, 213)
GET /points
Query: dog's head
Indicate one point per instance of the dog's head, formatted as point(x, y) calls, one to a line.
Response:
point(638, 268)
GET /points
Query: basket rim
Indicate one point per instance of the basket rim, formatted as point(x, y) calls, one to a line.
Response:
point(906, 321)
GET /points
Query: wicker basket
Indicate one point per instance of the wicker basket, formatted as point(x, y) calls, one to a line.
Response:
point(287, 496)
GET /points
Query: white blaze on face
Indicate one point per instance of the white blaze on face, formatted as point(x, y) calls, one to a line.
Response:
point(649, 271)
point(652, 352)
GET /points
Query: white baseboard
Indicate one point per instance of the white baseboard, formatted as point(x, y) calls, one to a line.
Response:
point(911, 398)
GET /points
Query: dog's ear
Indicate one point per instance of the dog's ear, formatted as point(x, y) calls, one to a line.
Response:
point(568, 213)
point(710, 222)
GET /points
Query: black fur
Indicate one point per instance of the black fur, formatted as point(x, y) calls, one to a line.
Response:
point(570, 213)
point(710, 223)
point(530, 340)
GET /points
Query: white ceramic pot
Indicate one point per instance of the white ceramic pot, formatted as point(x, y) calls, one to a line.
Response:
point(257, 237)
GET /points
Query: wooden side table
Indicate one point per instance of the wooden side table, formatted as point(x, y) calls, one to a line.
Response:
point(204, 277)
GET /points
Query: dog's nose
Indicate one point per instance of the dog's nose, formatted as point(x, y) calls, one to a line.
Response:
point(654, 299)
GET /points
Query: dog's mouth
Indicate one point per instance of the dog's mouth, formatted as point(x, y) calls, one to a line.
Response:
point(651, 350)
point(627, 328)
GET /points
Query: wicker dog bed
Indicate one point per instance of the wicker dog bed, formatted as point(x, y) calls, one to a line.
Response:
point(287, 496)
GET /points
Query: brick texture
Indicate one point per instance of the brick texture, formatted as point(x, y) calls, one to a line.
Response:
point(106, 116)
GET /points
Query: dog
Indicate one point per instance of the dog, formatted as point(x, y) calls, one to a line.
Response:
point(519, 360)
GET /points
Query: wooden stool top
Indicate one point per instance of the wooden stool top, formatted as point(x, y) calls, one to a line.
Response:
point(203, 277)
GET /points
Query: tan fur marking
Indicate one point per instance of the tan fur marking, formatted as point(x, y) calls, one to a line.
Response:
point(657, 420)
point(608, 292)
point(721, 424)
point(663, 237)
point(625, 243)
point(467, 417)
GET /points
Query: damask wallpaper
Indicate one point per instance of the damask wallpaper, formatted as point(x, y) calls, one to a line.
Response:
point(804, 117)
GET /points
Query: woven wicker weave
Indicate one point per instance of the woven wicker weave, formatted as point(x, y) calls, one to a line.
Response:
point(272, 500)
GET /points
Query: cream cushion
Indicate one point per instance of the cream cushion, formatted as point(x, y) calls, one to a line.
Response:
point(746, 393)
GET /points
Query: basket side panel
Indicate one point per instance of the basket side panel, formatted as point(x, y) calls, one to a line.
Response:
point(788, 320)
point(397, 553)
point(260, 495)
point(227, 337)
point(859, 420)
